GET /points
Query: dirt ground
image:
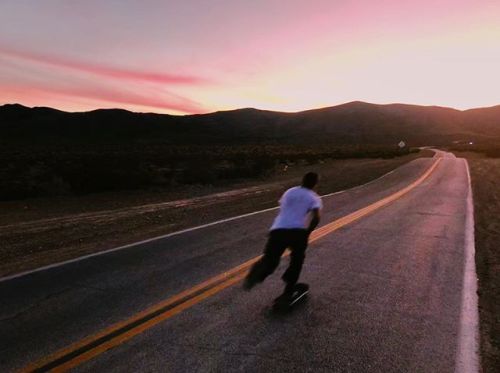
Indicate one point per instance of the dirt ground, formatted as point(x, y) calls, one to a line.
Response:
point(39, 232)
point(485, 173)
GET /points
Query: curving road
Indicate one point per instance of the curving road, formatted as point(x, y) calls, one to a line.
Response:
point(386, 293)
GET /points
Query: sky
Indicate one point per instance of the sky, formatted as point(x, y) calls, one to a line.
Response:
point(195, 56)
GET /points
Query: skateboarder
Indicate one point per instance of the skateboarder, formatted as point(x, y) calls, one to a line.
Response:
point(291, 229)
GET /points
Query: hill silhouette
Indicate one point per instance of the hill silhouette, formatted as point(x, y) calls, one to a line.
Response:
point(350, 123)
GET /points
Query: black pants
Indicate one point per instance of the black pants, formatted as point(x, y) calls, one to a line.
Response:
point(279, 240)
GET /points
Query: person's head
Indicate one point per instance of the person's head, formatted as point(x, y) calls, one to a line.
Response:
point(310, 180)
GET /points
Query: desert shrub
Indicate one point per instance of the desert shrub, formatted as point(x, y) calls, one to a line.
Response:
point(64, 169)
point(491, 149)
point(198, 171)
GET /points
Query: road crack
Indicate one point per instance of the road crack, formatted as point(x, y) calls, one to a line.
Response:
point(33, 305)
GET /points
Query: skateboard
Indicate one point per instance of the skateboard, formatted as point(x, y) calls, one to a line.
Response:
point(286, 303)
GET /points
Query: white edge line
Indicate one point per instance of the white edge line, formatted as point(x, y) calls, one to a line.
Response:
point(59, 264)
point(467, 355)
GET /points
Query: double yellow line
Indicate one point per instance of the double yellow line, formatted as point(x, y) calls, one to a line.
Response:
point(120, 332)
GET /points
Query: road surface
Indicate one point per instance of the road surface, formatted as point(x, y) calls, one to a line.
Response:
point(386, 292)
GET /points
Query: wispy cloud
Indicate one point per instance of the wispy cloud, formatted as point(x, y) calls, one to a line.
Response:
point(123, 87)
point(77, 94)
point(103, 70)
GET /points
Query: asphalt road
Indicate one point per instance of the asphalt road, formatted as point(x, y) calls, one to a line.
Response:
point(386, 292)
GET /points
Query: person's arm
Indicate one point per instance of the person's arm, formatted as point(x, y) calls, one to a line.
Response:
point(314, 221)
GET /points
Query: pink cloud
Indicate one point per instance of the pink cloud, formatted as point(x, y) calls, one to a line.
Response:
point(38, 93)
point(107, 71)
point(172, 102)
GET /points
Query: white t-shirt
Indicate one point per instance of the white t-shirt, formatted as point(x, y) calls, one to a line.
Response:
point(295, 205)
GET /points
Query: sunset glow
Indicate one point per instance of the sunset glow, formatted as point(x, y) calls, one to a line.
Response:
point(199, 56)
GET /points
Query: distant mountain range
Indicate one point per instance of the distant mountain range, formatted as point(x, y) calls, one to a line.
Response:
point(350, 123)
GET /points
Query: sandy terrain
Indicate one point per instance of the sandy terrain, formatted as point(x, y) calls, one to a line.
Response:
point(486, 188)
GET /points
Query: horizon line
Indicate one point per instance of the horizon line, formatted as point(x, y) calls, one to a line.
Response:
point(248, 108)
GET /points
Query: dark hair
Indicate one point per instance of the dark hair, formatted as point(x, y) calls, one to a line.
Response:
point(310, 180)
